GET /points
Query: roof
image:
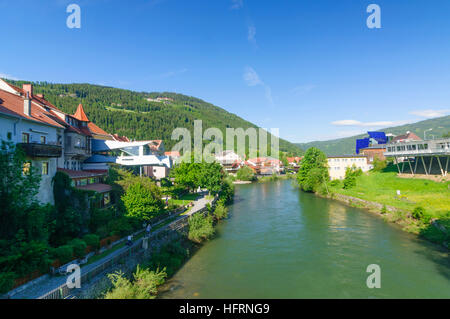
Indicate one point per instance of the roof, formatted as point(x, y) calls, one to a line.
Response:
point(407, 136)
point(347, 156)
point(173, 154)
point(119, 138)
point(13, 105)
point(82, 174)
point(80, 115)
point(94, 129)
point(99, 188)
point(374, 147)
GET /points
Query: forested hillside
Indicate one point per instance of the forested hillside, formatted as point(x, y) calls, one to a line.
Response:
point(440, 126)
point(130, 113)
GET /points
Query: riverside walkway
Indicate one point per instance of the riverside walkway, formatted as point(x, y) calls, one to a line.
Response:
point(52, 283)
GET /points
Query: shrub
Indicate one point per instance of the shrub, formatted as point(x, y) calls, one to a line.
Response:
point(79, 247)
point(200, 227)
point(170, 257)
point(245, 173)
point(420, 213)
point(6, 281)
point(92, 240)
point(335, 183)
point(142, 200)
point(379, 165)
point(64, 253)
point(120, 227)
point(384, 210)
point(144, 285)
point(221, 211)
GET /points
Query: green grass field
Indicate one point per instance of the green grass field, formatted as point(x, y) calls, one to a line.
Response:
point(382, 188)
point(184, 200)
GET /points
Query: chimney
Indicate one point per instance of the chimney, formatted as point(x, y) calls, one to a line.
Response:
point(27, 105)
point(41, 96)
point(28, 88)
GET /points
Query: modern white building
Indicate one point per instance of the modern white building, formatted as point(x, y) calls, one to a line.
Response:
point(429, 157)
point(337, 165)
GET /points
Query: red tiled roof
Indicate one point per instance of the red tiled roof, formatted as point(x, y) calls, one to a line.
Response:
point(94, 129)
point(99, 188)
point(80, 115)
point(407, 136)
point(173, 154)
point(120, 138)
point(13, 104)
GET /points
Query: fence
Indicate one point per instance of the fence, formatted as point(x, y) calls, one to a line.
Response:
point(136, 250)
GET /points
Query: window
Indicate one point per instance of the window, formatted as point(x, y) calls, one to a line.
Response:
point(78, 142)
point(43, 139)
point(69, 141)
point(26, 168)
point(9, 135)
point(44, 168)
point(25, 138)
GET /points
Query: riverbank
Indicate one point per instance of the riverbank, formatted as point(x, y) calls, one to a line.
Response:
point(282, 243)
point(378, 192)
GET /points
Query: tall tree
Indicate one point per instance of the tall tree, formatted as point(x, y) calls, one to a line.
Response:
point(313, 170)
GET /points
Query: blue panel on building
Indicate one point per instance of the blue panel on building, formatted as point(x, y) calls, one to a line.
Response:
point(380, 137)
point(362, 143)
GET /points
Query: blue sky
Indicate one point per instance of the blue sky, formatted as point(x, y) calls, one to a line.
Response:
point(311, 68)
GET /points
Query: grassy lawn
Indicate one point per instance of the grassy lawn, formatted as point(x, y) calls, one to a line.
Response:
point(184, 200)
point(382, 188)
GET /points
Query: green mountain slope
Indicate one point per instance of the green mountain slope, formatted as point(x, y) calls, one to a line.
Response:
point(440, 126)
point(129, 113)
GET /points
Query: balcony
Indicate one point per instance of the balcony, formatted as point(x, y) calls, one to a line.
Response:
point(41, 150)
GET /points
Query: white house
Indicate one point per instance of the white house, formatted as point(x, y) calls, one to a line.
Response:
point(28, 121)
point(337, 165)
point(230, 161)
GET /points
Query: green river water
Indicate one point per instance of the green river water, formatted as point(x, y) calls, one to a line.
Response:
point(279, 242)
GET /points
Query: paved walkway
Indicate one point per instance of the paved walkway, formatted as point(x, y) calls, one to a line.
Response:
point(52, 283)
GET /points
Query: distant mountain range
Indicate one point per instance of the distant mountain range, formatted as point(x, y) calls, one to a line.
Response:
point(341, 146)
point(143, 115)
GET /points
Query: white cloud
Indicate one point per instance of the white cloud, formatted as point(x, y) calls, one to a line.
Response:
point(303, 89)
point(431, 113)
point(366, 124)
point(252, 79)
point(237, 4)
point(251, 34)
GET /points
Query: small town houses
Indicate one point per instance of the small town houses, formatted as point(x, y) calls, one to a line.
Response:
point(55, 141)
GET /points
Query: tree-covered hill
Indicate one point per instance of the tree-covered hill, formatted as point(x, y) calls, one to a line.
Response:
point(138, 115)
point(440, 126)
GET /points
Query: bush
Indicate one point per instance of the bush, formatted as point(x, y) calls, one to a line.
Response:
point(384, 210)
point(350, 176)
point(6, 281)
point(420, 213)
point(64, 253)
point(170, 257)
point(120, 227)
point(379, 165)
point(335, 183)
point(221, 211)
point(144, 285)
point(200, 227)
point(245, 173)
point(92, 240)
point(79, 247)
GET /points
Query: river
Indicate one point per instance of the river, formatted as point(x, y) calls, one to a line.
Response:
point(279, 242)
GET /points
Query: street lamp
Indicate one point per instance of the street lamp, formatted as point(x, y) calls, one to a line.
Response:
point(425, 133)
